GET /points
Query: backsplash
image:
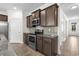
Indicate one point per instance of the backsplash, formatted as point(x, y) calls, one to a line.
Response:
point(32, 30)
point(47, 30)
point(50, 30)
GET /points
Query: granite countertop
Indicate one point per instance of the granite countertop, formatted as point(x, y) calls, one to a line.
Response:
point(49, 36)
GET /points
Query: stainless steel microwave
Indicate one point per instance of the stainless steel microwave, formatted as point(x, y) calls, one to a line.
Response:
point(35, 22)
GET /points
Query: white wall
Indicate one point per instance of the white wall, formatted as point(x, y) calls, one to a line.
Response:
point(70, 32)
point(62, 28)
point(3, 12)
point(15, 19)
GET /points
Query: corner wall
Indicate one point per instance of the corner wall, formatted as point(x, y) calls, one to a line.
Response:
point(62, 28)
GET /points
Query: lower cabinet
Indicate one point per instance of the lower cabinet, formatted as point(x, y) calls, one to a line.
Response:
point(25, 38)
point(39, 43)
point(48, 46)
point(54, 46)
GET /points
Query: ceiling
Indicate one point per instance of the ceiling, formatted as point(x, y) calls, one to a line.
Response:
point(28, 7)
point(24, 6)
point(70, 13)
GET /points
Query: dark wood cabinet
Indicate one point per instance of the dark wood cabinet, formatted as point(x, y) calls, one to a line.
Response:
point(3, 17)
point(39, 43)
point(49, 16)
point(54, 45)
point(52, 15)
point(56, 15)
point(43, 18)
point(29, 21)
point(36, 14)
point(47, 46)
point(25, 38)
point(50, 46)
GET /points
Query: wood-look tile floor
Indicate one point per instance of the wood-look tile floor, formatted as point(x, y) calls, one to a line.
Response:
point(24, 50)
point(70, 46)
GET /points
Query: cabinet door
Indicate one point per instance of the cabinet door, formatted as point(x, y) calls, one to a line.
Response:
point(33, 15)
point(39, 44)
point(28, 21)
point(3, 18)
point(25, 38)
point(37, 14)
point(43, 18)
point(31, 21)
point(54, 45)
point(56, 16)
point(47, 46)
point(50, 13)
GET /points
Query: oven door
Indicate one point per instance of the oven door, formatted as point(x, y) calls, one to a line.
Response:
point(32, 38)
point(32, 41)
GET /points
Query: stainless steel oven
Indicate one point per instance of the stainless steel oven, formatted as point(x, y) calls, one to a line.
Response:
point(32, 41)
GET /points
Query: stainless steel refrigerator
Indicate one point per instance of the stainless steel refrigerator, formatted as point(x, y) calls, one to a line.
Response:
point(3, 37)
point(4, 29)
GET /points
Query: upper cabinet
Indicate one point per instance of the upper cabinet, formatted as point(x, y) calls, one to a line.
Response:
point(46, 17)
point(29, 21)
point(34, 19)
point(49, 16)
point(50, 13)
point(3, 17)
point(43, 18)
point(36, 14)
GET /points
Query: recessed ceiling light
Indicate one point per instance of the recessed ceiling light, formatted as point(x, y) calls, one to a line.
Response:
point(74, 7)
point(14, 8)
